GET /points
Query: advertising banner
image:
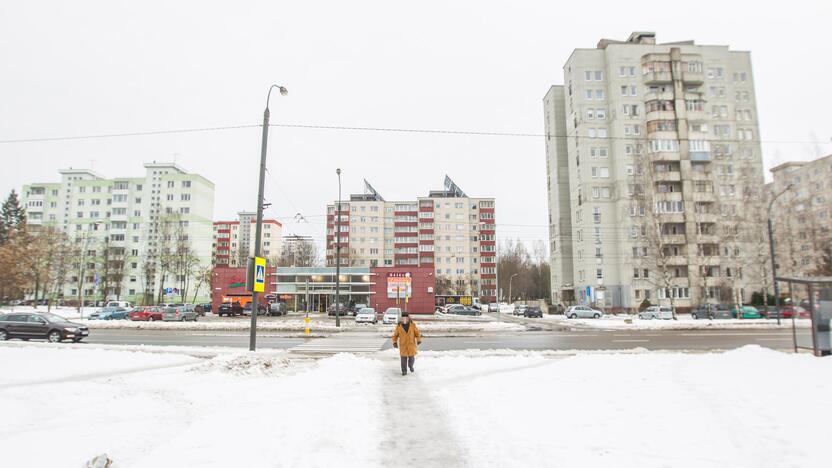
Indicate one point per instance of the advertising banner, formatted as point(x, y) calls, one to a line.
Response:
point(399, 287)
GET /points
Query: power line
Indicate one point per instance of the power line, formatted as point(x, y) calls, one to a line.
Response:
point(367, 129)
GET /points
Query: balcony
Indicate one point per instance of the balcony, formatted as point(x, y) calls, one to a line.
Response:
point(659, 96)
point(700, 156)
point(657, 77)
point(673, 239)
point(671, 217)
point(661, 115)
point(677, 260)
point(706, 217)
point(667, 176)
point(665, 156)
point(692, 77)
point(697, 115)
point(704, 197)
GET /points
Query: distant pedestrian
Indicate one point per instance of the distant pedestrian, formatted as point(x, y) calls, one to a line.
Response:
point(406, 338)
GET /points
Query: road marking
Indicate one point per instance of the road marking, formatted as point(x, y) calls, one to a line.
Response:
point(733, 334)
point(482, 342)
point(773, 339)
point(630, 341)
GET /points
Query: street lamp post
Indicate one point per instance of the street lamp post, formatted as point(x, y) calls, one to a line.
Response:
point(258, 233)
point(771, 249)
point(509, 286)
point(338, 253)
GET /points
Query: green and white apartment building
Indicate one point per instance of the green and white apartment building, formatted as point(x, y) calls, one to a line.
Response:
point(141, 215)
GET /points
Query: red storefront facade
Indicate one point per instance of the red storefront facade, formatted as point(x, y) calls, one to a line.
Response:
point(386, 280)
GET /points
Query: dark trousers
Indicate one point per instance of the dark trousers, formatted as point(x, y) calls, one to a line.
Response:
point(407, 361)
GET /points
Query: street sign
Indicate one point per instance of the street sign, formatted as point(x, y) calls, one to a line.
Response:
point(259, 274)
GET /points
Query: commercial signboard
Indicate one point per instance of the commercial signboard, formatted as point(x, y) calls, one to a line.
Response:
point(399, 285)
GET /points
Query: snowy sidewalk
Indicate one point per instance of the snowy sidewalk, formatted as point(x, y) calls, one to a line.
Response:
point(750, 407)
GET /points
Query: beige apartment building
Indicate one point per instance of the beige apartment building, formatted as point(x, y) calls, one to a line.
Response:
point(801, 214)
point(654, 175)
point(233, 241)
point(448, 230)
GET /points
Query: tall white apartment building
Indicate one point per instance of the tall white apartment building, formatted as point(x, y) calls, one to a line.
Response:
point(801, 215)
point(234, 240)
point(135, 217)
point(654, 175)
point(447, 230)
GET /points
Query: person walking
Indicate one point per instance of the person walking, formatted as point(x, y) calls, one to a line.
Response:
point(406, 338)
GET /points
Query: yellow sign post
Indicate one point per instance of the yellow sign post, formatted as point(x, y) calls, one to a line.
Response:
point(259, 275)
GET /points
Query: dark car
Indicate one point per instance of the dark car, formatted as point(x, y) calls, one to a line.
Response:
point(711, 311)
point(342, 310)
point(206, 307)
point(230, 308)
point(530, 312)
point(464, 310)
point(40, 325)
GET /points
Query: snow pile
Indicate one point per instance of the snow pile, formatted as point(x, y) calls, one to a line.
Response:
point(66, 312)
point(684, 322)
point(745, 408)
point(248, 364)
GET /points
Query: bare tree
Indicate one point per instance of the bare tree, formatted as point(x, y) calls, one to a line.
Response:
point(203, 276)
point(299, 253)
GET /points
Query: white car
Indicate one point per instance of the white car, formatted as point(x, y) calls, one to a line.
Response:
point(656, 312)
point(122, 304)
point(391, 315)
point(366, 315)
point(582, 311)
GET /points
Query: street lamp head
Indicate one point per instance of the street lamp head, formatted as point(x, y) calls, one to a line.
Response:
point(283, 91)
point(338, 171)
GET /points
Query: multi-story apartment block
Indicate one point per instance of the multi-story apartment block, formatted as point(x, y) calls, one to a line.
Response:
point(133, 220)
point(801, 215)
point(448, 230)
point(234, 240)
point(653, 162)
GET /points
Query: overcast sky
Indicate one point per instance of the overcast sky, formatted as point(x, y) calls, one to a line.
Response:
point(86, 68)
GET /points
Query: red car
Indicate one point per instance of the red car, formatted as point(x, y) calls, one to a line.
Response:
point(792, 311)
point(146, 314)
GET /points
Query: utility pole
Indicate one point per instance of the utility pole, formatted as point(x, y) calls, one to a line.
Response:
point(510, 279)
point(259, 229)
point(338, 253)
point(771, 249)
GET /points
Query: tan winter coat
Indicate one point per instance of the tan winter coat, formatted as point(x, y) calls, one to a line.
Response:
point(407, 340)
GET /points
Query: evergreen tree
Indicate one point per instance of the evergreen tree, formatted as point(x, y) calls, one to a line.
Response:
point(12, 217)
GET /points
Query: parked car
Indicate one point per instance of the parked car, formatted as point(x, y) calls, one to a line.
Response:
point(464, 310)
point(746, 312)
point(520, 309)
point(357, 308)
point(28, 325)
point(122, 304)
point(493, 307)
point(145, 314)
point(794, 311)
point(278, 308)
point(711, 311)
point(110, 313)
point(656, 312)
point(206, 307)
point(179, 314)
point(391, 315)
point(262, 309)
point(583, 311)
point(199, 309)
point(366, 315)
point(342, 310)
point(530, 312)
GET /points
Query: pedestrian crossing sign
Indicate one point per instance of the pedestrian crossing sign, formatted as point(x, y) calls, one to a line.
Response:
point(259, 274)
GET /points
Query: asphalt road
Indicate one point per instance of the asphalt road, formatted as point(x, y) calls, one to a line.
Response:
point(700, 340)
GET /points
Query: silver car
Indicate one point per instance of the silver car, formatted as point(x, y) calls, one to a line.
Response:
point(656, 312)
point(179, 314)
point(391, 315)
point(583, 311)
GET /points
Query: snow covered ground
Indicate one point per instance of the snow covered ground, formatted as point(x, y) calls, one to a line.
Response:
point(750, 407)
point(684, 322)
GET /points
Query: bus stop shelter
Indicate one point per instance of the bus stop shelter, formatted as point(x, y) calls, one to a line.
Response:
point(815, 295)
